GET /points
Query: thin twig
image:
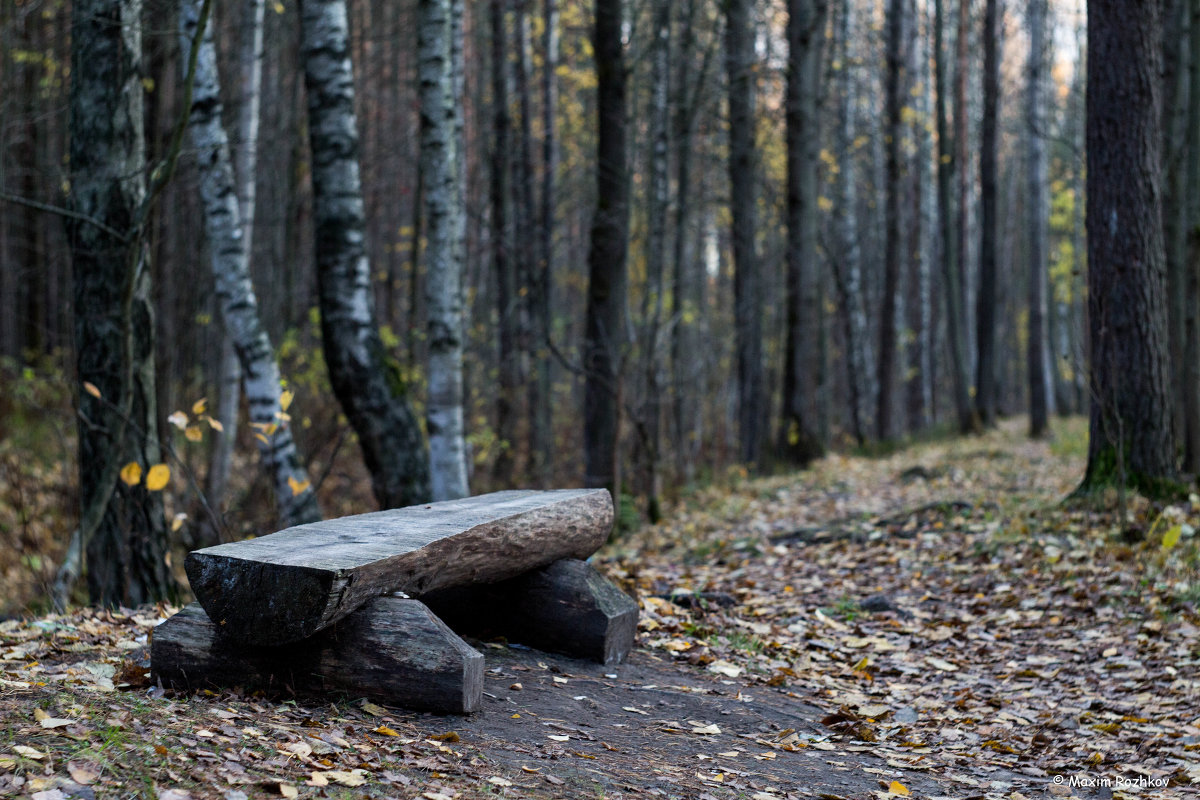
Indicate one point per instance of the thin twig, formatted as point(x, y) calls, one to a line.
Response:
point(64, 212)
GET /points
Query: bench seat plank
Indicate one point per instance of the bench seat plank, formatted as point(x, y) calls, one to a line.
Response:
point(287, 586)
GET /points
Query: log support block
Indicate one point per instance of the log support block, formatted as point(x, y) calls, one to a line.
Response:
point(567, 607)
point(393, 650)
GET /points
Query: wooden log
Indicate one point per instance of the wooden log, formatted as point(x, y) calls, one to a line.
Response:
point(289, 585)
point(393, 650)
point(567, 607)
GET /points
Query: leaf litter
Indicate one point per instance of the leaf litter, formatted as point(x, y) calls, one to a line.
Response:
point(930, 624)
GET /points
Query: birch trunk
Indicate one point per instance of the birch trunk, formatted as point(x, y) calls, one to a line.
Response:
point(747, 277)
point(365, 378)
point(800, 441)
point(123, 528)
point(443, 250)
point(295, 500)
point(1039, 390)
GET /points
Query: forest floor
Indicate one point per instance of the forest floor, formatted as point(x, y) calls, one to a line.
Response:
point(934, 623)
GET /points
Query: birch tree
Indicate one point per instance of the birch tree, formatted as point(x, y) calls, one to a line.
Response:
point(365, 378)
point(440, 103)
point(229, 257)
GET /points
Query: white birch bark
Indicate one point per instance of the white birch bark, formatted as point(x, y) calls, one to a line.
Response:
point(294, 498)
point(440, 156)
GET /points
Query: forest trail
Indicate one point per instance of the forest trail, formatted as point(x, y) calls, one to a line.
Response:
point(931, 623)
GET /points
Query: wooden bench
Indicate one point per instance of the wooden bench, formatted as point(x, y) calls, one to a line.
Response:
point(360, 604)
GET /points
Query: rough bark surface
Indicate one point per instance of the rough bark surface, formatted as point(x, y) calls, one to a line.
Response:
point(567, 607)
point(800, 441)
point(747, 271)
point(114, 322)
point(393, 650)
point(1130, 423)
point(443, 250)
point(365, 378)
point(291, 584)
point(295, 501)
point(605, 334)
point(888, 333)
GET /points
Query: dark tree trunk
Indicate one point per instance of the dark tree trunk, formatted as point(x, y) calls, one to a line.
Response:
point(1130, 431)
point(123, 525)
point(747, 279)
point(893, 246)
point(1177, 18)
point(607, 279)
point(366, 378)
point(504, 263)
point(950, 274)
point(799, 440)
point(1190, 283)
point(986, 301)
point(1037, 205)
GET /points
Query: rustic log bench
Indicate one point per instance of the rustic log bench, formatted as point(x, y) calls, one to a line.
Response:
point(360, 604)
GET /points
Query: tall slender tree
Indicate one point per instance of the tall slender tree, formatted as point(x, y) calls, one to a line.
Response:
point(799, 440)
point(986, 300)
point(440, 104)
point(604, 333)
point(1037, 205)
point(230, 259)
point(888, 333)
point(366, 379)
point(747, 276)
point(1130, 431)
point(1190, 283)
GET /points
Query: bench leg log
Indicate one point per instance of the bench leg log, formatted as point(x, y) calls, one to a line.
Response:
point(393, 650)
point(567, 607)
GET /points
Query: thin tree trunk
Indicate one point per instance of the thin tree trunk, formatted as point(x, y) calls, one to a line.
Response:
point(295, 500)
point(541, 416)
point(1039, 391)
point(366, 379)
point(607, 270)
point(800, 442)
point(656, 254)
point(504, 263)
point(963, 163)
point(123, 528)
point(985, 309)
point(1130, 437)
point(443, 201)
point(945, 171)
point(847, 266)
point(748, 281)
point(888, 334)
point(1177, 89)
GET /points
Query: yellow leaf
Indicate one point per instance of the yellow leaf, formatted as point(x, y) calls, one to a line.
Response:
point(262, 438)
point(193, 433)
point(178, 521)
point(178, 419)
point(278, 7)
point(131, 473)
point(297, 486)
point(286, 398)
point(199, 406)
point(158, 477)
point(896, 787)
point(214, 424)
point(386, 731)
point(91, 389)
point(1171, 537)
